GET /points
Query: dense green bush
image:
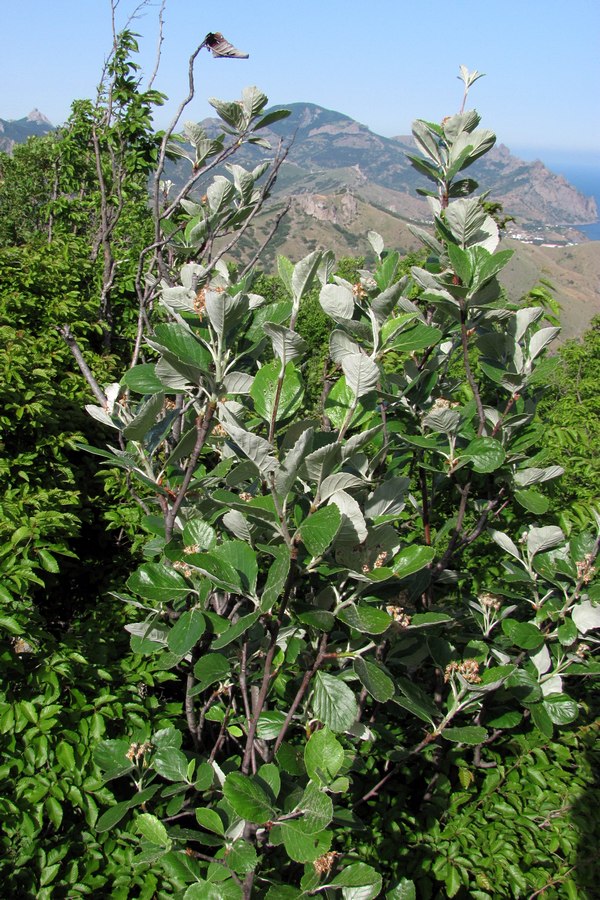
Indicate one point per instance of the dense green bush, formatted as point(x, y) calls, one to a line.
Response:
point(304, 578)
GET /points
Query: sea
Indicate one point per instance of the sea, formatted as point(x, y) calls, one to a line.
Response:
point(580, 170)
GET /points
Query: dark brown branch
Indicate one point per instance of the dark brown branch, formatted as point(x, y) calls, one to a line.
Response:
point(308, 675)
point(264, 688)
point(464, 339)
point(202, 426)
point(67, 336)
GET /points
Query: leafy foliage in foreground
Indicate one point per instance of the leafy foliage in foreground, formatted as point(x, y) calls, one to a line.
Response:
point(303, 577)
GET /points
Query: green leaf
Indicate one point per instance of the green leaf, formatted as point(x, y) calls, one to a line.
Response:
point(264, 391)
point(283, 892)
point(304, 274)
point(333, 702)
point(166, 738)
point(423, 620)
point(199, 534)
point(171, 763)
point(144, 418)
point(302, 847)
point(186, 632)
point(235, 631)
point(525, 635)
point(204, 890)
point(416, 337)
point(341, 398)
point(142, 379)
point(242, 558)
point(466, 734)
point(323, 756)
point(111, 756)
point(541, 719)
point(54, 811)
point(561, 709)
point(412, 559)
point(270, 775)
point(276, 579)
point(209, 819)
point(358, 875)
point(48, 561)
point(404, 890)
point(586, 616)
point(241, 857)
point(416, 700)
point(362, 374)
point(533, 501)
point(379, 685)
point(270, 724)
point(247, 798)
point(287, 344)
point(319, 529)
point(318, 618)
point(317, 809)
point(65, 756)
point(156, 581)
point(112, 816)
point(366, 619)
point(211, 668)
point(217, 569)
point(486, 454)
point(153, 830)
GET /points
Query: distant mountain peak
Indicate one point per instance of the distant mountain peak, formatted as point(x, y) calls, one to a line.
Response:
point(36, 116)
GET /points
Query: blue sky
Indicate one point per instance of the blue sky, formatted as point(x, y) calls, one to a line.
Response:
point(381, 62)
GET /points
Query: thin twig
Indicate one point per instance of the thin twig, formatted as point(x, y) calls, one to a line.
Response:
point(67, 336)
point(301, 692)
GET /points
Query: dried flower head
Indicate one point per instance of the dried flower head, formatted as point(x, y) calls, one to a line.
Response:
point(585, 569)
point(200, 302)
point(324, 864)
point(246, 497)
point(182, 567)
point(401, 619)
point(359, 291)
point(380, 561)
point(468, 668)
point(219, 431)
point(193, 548)
point(20, 645)
point(582, 650)
point(137, 752)
point(490, 601)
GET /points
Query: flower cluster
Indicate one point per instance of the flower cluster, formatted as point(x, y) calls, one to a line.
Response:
point(585, 569)
point(401, 619)
point(219, 431)
point(324, 864)
point(490, 601)
point(200, 302)
point(137, 752)
point(468, 668)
